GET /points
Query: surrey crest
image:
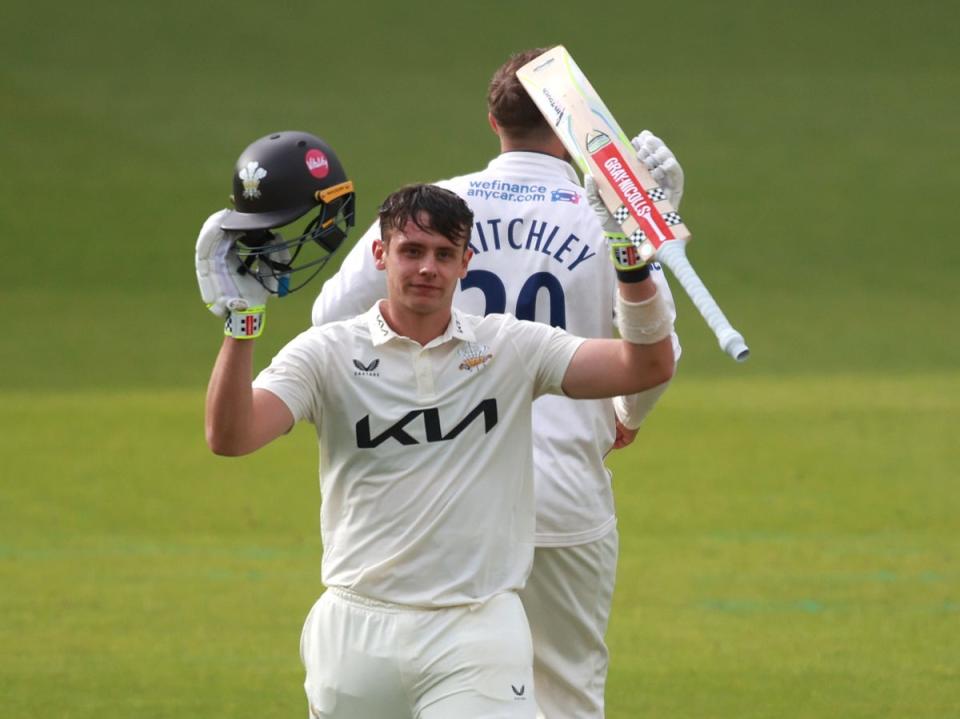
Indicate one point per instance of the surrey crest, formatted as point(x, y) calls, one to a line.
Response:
point(474, 355)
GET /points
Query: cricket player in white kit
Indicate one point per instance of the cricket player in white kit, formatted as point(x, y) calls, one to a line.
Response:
point(423, 415)
point(538, 253)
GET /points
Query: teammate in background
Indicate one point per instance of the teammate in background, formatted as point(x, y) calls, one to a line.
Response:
point(423, 415)
point(538, 254)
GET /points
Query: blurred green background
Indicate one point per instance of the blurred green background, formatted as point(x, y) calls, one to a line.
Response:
point(789, 526)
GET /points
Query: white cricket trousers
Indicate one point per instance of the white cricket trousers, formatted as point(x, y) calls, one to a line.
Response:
point(367, 659)
point(567, 600)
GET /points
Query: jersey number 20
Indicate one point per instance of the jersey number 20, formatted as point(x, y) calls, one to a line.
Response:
point(495, 294)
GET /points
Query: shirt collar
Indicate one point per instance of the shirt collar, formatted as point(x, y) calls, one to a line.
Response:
point(534, 164)
point(458, 328)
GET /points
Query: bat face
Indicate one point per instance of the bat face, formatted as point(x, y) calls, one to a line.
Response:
point(600, 148)
point(653, 228)
point(594, 139)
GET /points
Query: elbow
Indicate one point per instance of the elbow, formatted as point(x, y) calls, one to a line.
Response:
point(660, 370)
point(668, 363)
point(666, 370)
point(223, 446)
point(223, 450)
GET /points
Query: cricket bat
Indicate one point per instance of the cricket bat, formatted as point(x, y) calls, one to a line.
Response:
point(600, 148)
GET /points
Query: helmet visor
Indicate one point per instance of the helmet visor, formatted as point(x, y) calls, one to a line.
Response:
point(314, 242)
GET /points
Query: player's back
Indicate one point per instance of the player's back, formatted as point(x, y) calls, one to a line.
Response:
point(538, 249)
point(539, 254)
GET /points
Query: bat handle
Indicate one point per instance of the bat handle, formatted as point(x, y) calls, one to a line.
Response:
point(673, 254)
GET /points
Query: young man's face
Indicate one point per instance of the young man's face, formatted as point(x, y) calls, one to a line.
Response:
point(422, 268)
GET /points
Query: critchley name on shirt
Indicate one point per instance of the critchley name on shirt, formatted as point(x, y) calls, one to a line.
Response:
point(530, 235)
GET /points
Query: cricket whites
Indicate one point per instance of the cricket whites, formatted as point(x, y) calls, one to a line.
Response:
point(600, 148)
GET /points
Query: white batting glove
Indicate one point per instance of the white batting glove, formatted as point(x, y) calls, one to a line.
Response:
point(661, 163)
point(623, 253)
point(609, 224)
point(238, 296)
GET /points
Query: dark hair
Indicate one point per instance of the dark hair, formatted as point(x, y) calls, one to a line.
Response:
point(431, 208)
point(508, 101)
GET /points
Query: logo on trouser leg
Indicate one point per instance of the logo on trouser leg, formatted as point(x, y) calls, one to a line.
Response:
point(518, 693)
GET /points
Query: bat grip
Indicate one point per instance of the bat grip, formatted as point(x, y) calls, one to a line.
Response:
point(673, 254)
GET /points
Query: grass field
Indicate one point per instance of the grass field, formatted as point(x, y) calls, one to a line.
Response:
point(789, 527)
point(801, 562)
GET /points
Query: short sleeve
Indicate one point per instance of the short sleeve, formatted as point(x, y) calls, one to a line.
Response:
point(545, 351)
point(294, 376)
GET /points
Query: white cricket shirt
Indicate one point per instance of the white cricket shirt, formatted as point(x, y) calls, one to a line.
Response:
point(539, 254)
point(426, 472)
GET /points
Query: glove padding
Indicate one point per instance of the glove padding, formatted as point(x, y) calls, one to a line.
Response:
point(607, 221)
point(662, 164)
point(623, 253)
point(223, 287)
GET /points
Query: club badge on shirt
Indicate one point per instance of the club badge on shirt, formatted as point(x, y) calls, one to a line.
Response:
point(475, 356)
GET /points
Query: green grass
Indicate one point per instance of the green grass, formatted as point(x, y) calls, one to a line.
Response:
point(801, 562)
point(796, 557)
point(142, 576)
point(789, 526)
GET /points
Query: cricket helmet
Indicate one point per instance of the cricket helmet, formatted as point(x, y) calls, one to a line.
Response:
point(279, 180)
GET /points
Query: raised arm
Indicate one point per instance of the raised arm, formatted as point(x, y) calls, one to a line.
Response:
point(238, 418)
point(632, 410)
point(642, 359)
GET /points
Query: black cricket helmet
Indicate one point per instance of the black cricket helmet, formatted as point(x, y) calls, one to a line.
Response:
point(278, 180)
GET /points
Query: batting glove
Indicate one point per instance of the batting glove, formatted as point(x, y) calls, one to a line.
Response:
point(231, 288)
point(624, 254)
point(661, 163)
